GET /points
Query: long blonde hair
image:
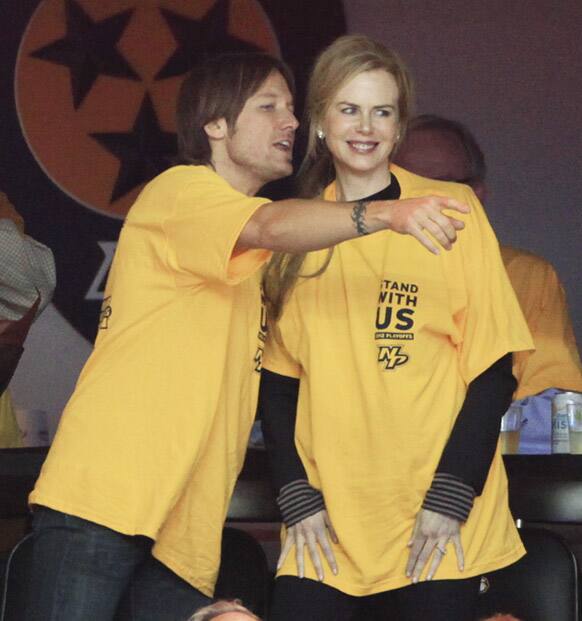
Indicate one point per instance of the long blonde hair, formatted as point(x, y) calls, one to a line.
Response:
point(344, 59)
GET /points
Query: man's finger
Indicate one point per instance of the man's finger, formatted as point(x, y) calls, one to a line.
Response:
point(445, 202)
point(437, 232)
point(445, 224)
point(417, 233)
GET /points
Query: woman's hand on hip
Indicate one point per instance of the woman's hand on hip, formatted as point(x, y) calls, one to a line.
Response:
point(431, 534)
point(314, 532)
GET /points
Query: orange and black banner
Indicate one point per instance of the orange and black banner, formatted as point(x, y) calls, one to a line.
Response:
point(87, 110)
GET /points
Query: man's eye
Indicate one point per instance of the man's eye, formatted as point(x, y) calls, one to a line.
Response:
point(268, 107)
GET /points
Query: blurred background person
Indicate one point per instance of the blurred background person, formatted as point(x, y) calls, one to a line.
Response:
point(27, 282)
point(224, 611)
point(444, 149)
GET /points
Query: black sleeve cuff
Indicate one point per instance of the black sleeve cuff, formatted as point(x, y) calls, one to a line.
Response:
point(298, 500)
point(450, 496)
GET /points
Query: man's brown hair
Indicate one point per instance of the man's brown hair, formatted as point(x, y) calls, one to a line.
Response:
point(218, 88)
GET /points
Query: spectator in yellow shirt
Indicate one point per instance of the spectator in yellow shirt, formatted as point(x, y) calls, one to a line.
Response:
point(443, 149)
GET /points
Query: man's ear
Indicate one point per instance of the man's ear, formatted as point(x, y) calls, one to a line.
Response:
point(217, 129)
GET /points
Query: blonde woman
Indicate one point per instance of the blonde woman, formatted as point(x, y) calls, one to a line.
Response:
point(385, 377)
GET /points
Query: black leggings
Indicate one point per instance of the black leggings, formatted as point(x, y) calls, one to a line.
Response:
point(437, 600)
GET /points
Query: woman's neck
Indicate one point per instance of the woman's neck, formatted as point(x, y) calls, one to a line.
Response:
point(351, 187)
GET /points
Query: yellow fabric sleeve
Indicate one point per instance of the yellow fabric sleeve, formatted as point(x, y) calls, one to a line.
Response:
point(207, 219)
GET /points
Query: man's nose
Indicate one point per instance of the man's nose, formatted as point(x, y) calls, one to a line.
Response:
point(290, 121)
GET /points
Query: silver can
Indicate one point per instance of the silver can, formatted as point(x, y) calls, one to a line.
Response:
point(563, 406)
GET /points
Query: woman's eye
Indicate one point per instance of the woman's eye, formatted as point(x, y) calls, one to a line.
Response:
point(268, 107)
point(383, 112)
point(349, 110)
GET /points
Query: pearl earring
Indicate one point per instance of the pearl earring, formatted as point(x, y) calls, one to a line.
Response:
point(320, 134)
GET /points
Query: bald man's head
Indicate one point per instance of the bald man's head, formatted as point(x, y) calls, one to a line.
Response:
point(441, 149)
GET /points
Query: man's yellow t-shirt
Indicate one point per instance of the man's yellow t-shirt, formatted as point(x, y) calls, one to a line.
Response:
point(154, 435)
point(385, 343)
point(555, 363)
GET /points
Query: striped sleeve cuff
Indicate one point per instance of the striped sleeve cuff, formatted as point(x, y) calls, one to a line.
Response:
point(449, 495)
point(298, 500)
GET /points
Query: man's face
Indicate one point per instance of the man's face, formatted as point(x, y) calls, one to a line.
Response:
point(433, 153)
point(259, 148)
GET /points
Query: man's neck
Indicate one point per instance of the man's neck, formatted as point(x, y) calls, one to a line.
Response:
point(237, 178)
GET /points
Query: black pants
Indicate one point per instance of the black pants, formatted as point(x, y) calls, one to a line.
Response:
point(437, 600)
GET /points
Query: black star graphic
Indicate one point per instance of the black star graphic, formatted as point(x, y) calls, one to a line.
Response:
point(143, 152)
point(199, 38)
point(88, 49)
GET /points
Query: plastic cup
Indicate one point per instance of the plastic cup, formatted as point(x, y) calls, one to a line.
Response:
point(575, 428)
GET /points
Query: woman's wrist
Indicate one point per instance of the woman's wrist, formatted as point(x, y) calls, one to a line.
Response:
point(298, 500)
point(450, 496)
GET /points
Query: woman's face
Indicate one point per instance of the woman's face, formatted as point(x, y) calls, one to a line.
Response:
point(361, 125)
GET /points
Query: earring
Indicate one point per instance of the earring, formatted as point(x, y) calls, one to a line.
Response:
point(320, 134)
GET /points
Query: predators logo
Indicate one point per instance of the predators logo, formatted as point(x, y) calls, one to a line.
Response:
point(104, 124)
point(391, 357)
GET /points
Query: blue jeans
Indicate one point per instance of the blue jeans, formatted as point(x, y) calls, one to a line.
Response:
point(82, 571)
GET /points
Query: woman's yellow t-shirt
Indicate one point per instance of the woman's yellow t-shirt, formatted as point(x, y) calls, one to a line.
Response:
point(385, 343)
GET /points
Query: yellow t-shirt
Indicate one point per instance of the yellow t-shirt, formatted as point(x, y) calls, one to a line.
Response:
point(555, 363)
point(154, 435)
point(385, 343)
